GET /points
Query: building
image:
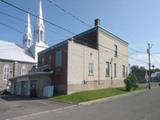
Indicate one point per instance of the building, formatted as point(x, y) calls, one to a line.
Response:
point(94, 59)
point(155, 77)
point(17, 60)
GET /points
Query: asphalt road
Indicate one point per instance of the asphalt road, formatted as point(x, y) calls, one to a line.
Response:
point(13, 106)
point(138, 106)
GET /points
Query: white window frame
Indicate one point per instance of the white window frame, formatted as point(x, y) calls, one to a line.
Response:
point(115, 70)
point(90, 69)
point(6, 72)
point(107, 69)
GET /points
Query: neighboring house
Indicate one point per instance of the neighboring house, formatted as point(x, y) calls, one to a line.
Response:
point(17, 60)
point(155, 77)
point(94, 59)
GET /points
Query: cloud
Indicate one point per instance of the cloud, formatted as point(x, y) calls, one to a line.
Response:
point(141, 59)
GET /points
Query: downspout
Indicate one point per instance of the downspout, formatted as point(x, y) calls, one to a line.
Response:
point(98, 56)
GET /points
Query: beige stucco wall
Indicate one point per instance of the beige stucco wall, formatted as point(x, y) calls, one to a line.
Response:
point(106, 52)
point(79, 56)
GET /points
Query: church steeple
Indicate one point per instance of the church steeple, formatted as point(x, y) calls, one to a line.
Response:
point(39, 40)
point(39, 27)
point(27, 37)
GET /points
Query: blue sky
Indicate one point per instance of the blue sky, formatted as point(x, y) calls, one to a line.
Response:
point(135, 21)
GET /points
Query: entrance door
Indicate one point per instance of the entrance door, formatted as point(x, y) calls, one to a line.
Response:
point(33, 85)
point(24, 88)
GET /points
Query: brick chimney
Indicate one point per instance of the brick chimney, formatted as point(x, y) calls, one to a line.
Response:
point(97, 22)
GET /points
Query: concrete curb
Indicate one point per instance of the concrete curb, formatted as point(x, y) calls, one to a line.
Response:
point(112, 97)
point(116, 96)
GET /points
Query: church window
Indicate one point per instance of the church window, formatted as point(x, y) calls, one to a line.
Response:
point(6, 71)
point(23, 70)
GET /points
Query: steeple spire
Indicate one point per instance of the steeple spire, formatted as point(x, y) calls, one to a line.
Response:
point(40, 14)
point(39, 28)
point(39, 41)
point(27, 37)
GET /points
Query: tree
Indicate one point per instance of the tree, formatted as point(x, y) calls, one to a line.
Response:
point(131, 82)
point(139, 73)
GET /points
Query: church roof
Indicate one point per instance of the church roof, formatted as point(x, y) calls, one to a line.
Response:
point(14, 52)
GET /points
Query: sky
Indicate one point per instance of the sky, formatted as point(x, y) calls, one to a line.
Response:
point(135, 21)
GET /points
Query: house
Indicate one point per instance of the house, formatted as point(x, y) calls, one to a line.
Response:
point(155, 77)
point(17, 59)
point(93, 59)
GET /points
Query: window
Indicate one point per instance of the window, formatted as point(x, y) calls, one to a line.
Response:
point(115, 70)
point(42, 61)
point(23, 70)
point(58, 61)
point(90, 69)
point(123, 71)
point(107, 69)
point(6, 71)
point(115, 51)
point(50, 59)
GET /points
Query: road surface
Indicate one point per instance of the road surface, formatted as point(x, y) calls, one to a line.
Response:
point(138, 106)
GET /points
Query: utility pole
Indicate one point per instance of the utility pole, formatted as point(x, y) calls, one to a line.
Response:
point(149, 65)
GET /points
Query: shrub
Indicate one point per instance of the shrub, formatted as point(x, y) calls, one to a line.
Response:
point(131, 82)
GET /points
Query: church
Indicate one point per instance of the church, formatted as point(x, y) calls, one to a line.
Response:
point(20, 59)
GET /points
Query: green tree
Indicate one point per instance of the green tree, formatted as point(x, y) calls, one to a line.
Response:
point(131, 82)
point(139, 73)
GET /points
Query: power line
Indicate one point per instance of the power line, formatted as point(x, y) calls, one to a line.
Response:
point(69, 13)
point(137, 51)
point(55, 25)
point(16, 18)
point(47, 21)
point(22, 20)
point(10, 27)
point(25, 11)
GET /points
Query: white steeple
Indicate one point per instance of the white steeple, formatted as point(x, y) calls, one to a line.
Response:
point(39, 27)
point(39, 41)
point(27, 37)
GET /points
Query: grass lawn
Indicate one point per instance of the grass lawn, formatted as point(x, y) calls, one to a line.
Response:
point(84, 96)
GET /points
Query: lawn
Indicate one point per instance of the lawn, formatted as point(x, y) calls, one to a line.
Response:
point(84, 96)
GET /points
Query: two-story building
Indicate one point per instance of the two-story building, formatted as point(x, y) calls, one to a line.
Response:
point(94, 59)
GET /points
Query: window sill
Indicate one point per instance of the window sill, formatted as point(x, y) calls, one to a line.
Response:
point(107, 76)
point(91, 75)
